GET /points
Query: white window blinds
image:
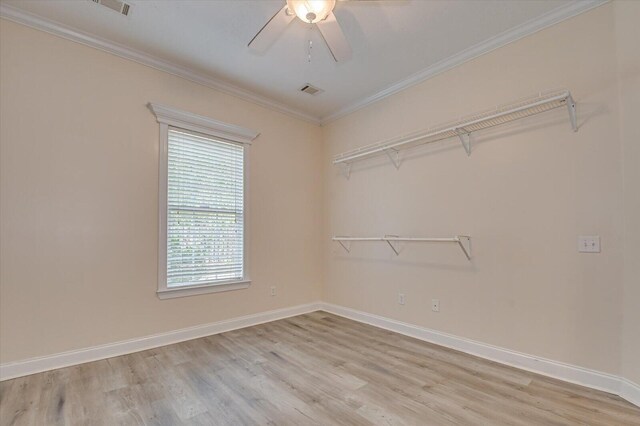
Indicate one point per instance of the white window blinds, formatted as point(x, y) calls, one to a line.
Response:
point(205, 193)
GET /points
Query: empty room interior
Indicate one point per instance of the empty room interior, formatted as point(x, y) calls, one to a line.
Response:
point(319, 212)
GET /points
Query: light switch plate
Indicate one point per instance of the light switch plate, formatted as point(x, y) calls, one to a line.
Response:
point(589, 244)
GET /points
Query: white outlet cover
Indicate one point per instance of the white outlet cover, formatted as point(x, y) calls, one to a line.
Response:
point(589, 244)
point(435, 305)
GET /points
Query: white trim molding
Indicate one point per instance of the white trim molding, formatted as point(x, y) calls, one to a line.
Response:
point(52, 27)
point(630, 391)
point(95, 353)
point(569, 373)
point(548, 19)
point(555, 16)
point(559, 370)
point(194, 290)
point(201, 124)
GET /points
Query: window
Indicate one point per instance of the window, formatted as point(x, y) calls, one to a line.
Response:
point(205, 209)
point(202, 204)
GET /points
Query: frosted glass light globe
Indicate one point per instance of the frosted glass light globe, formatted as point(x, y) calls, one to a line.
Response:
point(311, 11)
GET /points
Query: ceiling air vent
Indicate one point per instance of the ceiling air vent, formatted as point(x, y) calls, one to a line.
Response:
point(307, 88)
point(115, 5)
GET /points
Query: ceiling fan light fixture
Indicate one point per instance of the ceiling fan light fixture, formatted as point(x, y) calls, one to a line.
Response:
point(311, 11)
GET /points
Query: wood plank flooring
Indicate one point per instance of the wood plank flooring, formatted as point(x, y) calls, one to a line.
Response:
point(314, 369)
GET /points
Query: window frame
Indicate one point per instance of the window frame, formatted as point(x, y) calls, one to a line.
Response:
point(169, 117)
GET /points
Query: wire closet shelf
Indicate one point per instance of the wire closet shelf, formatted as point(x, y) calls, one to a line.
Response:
point(463, 241)
point(463, 128)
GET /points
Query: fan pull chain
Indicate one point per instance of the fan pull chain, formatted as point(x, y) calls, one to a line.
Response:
point(310, 47)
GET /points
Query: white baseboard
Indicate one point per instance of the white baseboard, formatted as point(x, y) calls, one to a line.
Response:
point(630, 391)
point(567, 372)
point(65, 359)
point(570, 373)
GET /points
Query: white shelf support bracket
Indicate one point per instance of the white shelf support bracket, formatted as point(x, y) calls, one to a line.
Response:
point(394, 156)
point(346, 171)
point(465, 139)
point(346, 247)
point(571, 106)
point(395, 248)
point(465, 245)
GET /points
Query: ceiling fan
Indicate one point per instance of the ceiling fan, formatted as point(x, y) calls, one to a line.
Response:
point(318, 12)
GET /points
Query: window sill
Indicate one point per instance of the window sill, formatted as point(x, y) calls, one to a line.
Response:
point(171, 293)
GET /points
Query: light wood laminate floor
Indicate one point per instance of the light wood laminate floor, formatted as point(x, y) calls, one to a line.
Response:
point(314, 369)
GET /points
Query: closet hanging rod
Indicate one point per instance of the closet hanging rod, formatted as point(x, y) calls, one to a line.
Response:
point(463, 241)
point(463, 128)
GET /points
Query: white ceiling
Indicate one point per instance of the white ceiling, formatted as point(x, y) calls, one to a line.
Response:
point(394, 42)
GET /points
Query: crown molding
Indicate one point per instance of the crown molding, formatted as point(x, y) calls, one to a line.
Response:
point(548, 19)
point(52, 27)
point(553, 17)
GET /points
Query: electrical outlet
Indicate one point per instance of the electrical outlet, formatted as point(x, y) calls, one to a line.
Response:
point(589, 244)
point(273, 290)
point(435, 305)
point(401, 299)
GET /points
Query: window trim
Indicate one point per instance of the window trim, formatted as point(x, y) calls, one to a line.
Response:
point(170, 117)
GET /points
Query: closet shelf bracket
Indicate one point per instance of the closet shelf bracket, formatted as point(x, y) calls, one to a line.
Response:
point(392, 241)
point(346, 245)
point(346, 170)
point(394, 156)
point(465, 139)
point(571, 106)
point(464, 242)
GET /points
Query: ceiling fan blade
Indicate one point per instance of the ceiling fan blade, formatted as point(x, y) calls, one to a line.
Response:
point(271, 30)
point(334, 37)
